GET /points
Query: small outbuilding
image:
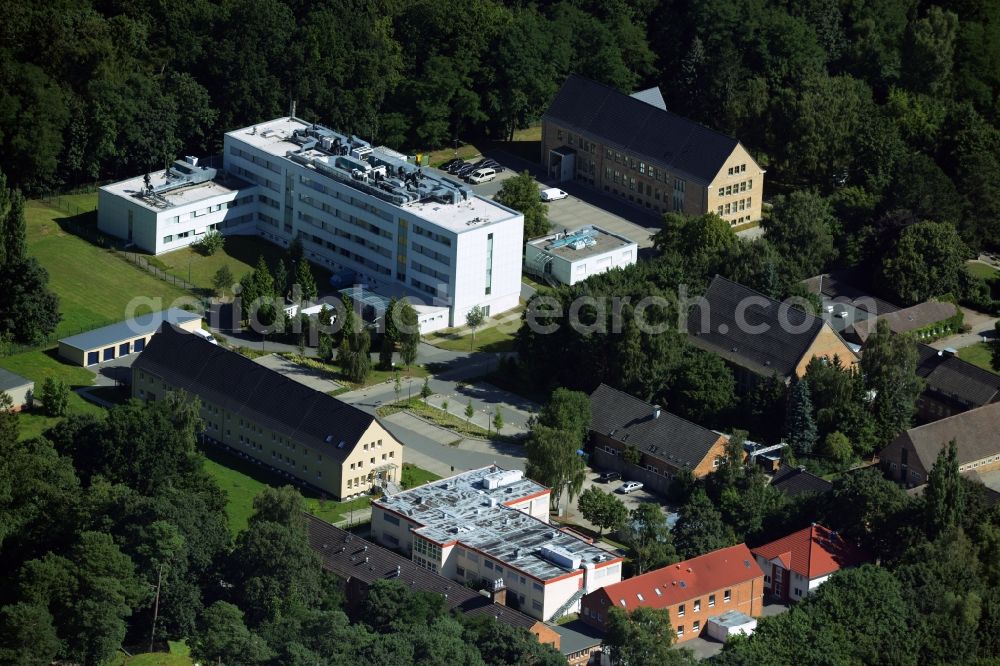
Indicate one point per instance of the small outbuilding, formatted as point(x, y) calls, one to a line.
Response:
point(730, 623)
point(124, 338)
point(18, 388)
point(570, 257)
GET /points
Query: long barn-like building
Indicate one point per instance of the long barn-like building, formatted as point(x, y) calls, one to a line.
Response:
point(262, 415)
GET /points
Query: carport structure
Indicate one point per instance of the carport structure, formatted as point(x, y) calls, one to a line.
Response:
point(124, 338)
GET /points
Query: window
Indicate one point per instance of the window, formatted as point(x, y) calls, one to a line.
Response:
point(168, 238)
point(390, 518)
point(538, 587)
point(536, 604)
point(722, 191)
point(798, 592)
point(711, 601)
point(696, 626)
point(459, 571)
point(680, 611)
point(680, 630)
point(697, 605)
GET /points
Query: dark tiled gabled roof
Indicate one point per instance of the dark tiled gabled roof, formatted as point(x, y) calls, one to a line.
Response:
point(669, 438)
point(956, 379)
point(837, 286)
point(976, 434)
point(244, 388)
point(794, 481)
point(907, 319)
point(679, 144)
point(774, 348)
point(350, 556)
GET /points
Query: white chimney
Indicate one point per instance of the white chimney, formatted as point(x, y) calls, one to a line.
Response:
point(656, 411)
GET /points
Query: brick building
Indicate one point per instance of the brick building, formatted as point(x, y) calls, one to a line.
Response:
point(632, 147)
point(759, 336)
point(908, 459)
point(667, 443)
point(795, 565)
point(359, 563)
point(692, 591)
point(952, 386)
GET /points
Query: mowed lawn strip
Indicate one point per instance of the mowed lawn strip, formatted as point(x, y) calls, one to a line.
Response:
point(94, 286)
point(240, 253)
point(242, 480)
point(39, 366)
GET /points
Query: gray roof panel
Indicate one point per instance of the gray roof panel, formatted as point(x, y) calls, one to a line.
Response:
point(144, 324)
point(679, 144)
point(244, 387)
point(629, 420)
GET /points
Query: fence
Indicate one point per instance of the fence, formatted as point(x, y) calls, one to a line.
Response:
point(142, 262)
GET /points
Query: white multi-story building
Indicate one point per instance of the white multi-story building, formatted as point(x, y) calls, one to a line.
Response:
point(491, 526)
point(168, 210)
point(363, 212)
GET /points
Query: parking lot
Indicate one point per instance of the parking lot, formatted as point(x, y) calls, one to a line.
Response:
point(631, 500)
point(583, 207)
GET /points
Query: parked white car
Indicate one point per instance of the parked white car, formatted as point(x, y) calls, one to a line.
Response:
point(629, 487)
point(553, 194)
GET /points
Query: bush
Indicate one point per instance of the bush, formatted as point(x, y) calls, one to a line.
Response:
point(54, 396)
point(210, 243)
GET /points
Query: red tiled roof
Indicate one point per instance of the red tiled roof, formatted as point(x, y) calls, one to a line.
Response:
point(685, 580)
point(814, 551)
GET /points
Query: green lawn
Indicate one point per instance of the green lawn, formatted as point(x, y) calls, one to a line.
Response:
point(243, 480)
point(440, 418)
point(240, 254)
point(977, 269)
point(375, 377)
point(499, 338)
point(94, 286)
point(977, 354)
point(414, 476)
point(179, 655)
point(40, 365)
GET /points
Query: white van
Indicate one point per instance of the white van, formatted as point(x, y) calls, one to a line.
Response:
point(482, 175)
point(205, 334)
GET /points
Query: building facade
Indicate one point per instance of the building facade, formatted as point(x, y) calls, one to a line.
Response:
point(908, 459)
point(359, 563)
point(170, 209)
point(20, 389)
point(642, 153)
point(260, 414)
point(795, 565)
point(667, 444)
point(572, 257)
point(692, 591)
point(363, 212)
point(490, 527)
point(126, 337)
point(759, 336)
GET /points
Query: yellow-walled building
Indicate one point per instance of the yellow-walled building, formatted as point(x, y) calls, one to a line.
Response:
point(632, 147)
point(261, 414)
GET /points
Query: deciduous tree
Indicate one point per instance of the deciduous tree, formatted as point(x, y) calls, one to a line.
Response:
point(521, 193)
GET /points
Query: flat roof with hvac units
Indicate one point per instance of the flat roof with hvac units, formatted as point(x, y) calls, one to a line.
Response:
point(572, 256)
point(124, 338)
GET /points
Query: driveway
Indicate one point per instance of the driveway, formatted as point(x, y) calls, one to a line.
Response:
point(982, 331)
point(631, 501)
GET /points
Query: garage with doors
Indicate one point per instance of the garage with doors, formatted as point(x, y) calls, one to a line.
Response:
point(126, 337)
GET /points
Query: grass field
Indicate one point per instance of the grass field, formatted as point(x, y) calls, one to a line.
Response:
point(39, 366)
point(240, 253)
point(243, 480)
point(977, 269)
point(441, 418)
point(94, 286)
point(375, 377)
point(977, 354)
point(414, 476)
point(179, 655)
point(492, 339)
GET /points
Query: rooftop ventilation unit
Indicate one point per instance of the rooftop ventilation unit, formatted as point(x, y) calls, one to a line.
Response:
point(495, 480)
point(560, 557)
